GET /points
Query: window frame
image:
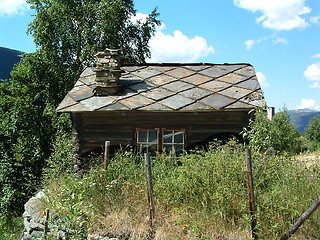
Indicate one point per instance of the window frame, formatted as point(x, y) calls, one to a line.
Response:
point(160, 134)
point(172, 144)
point(147, 142)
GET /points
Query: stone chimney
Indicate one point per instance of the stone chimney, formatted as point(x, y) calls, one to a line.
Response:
point(108, 71)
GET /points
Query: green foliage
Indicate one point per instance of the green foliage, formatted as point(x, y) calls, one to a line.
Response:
point(285, 138)
point(11, 229)
point(278, 134)
point(198, 195)
point(312, 131)
point(68, 34)
point(74, 31)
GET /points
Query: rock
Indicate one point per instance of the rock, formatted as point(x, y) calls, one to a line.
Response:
point(32, 216)
point(36, 226)
point(34, 209)
point(63, 235)
point(37, 235)
point(98, 237)
point(26, 236)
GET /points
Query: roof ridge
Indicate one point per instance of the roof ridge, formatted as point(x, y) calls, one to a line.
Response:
point(180, 64)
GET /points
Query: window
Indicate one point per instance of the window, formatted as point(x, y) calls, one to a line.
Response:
point(148, 140)
point(173, 140)
point(151, 140)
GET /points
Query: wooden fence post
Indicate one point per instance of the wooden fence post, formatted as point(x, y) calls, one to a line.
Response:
point(150, 187)
point(106, 155)
point(46, 223)
point(252, 207)
point(301, 220)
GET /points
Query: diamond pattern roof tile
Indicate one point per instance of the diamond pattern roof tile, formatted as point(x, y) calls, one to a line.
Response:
point(231, 67)
point(95, 103)
point(217, 101)
point(161, 79)
point(135, 102)
point(251, 83)
point(196, 93)
point(247, 71)
point(180, 72)
point(175, 102)
point(232, 78)
point(214, 72)
point(155, 107)
point(81, 94)
point(196, 107)
point(196, 79)
point(177, 86)
point(170, 87)
point(235, 92)
point(215, 86)
point(146, 72)
point(157, 94)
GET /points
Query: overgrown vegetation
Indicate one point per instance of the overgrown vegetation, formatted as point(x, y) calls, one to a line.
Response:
point(200, 195)
point(278, 134)
point(312, 131)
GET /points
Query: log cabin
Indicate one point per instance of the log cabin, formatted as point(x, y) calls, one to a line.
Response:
point(158, 107)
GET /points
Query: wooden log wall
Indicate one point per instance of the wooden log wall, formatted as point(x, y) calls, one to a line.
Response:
point(92, 129)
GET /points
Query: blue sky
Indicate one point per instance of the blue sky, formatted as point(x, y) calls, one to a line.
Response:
point(280, 38)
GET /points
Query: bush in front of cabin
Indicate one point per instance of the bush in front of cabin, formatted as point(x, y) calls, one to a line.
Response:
point(277, 134)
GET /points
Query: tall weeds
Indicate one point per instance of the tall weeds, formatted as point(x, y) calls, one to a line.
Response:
point(199, 195)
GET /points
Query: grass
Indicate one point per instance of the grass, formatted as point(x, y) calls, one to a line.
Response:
point(11, 229)
point(200, 195)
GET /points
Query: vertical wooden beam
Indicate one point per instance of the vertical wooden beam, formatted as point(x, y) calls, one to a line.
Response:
point(106, 155)
point(301, 220)
point(150, 187)
point(76, 144)
point(252, 207)
point(46, 223)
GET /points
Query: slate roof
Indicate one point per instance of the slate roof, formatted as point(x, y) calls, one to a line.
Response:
point(171, 87)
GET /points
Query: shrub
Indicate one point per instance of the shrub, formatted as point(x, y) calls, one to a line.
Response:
point(277, 133)
point(312, 131)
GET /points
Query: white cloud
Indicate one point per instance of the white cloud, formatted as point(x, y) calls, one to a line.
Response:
point(177, 47)
point(313, 72)
point(249, 44)
point(315, 85)
point(280, 40)
point(139, 17)
point(315, 19)
point(308, 103)
point(262, 80)
point(12, 7)
point(277, 14)
point(316, 55)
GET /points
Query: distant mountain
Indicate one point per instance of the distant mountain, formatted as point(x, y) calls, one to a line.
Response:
point(8, 57)
point(300, 118)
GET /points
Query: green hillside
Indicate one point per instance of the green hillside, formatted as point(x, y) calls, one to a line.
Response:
point(300, 118)
point(8, 57)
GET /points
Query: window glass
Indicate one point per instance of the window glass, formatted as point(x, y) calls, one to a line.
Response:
point(153, 137)
point(167, 137)
point(178, 147)
point(168, 148)
point(172, 140)
point(147, 140)
point(153, 148)
point(178, 137)
point(142, 136)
